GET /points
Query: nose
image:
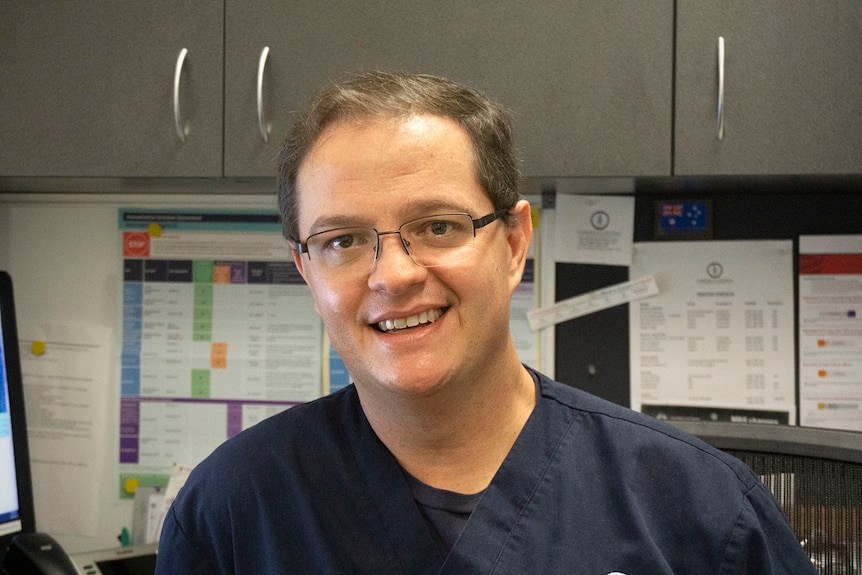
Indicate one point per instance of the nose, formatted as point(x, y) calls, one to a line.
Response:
point(393, 269)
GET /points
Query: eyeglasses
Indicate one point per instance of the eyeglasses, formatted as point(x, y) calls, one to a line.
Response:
point(432, 241)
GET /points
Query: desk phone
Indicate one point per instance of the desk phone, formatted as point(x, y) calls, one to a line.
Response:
point(132, 560)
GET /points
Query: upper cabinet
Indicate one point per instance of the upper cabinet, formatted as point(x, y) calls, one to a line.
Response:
point(184, 89)
point(589, 83)
point(191, 89)
point(792, 87)
point(93, 89)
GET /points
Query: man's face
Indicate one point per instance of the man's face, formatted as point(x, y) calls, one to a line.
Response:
point(382, 174)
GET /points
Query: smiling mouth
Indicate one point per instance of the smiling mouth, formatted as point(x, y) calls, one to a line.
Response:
point(426, 317)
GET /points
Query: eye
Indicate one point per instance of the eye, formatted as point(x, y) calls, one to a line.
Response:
point(440, 227)
point(439, 231)
point(340, 242)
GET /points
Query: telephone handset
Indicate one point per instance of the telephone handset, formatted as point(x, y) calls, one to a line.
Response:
point(37, 554)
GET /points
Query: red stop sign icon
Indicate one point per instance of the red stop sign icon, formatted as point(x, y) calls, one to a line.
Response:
point(136, 244)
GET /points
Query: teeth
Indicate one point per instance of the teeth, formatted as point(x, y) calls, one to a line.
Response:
point(412, 321)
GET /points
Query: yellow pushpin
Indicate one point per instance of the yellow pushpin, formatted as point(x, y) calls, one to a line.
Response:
point(37, 347)
point(155, 230)
point(131, 485)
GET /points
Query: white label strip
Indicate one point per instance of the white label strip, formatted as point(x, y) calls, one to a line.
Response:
point(591, 302)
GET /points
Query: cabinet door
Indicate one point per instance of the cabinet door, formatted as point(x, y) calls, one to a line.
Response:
point(86, 88)
point(589, 82)
point(792, 87)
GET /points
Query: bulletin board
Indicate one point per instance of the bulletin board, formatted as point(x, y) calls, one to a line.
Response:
point(593, 352)
point(63, 253)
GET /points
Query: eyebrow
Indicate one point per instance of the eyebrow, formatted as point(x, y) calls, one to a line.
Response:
point(324, 223)
point(436, 205)
point(414, 209)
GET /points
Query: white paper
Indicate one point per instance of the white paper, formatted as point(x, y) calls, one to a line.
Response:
point(591, 302)
point(179, 476)
point(830, 331)
point(67, 390)
point(594, 229)
point(720, 332)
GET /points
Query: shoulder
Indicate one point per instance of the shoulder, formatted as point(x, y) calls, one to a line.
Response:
point(297, 464)
point(323, 413)
point(308, 432)
point(635, 479)
point(634, 439)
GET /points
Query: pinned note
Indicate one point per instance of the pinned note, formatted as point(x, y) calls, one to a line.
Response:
point(591, 302)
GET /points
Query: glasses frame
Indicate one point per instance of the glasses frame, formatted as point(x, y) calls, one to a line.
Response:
point(302, 247)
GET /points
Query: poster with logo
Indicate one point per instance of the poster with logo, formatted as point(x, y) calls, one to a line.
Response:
point(716, 342)
point(218, 332)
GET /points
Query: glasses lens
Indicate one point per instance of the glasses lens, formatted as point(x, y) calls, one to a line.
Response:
point(343, 248)
point(439, 240)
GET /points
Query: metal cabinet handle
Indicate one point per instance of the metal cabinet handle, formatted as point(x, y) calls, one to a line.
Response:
point(719, 119)
point(262, 125)
point(182, 129)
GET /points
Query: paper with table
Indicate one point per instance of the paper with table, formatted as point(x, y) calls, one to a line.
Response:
point(717, 342)
point(219, 332)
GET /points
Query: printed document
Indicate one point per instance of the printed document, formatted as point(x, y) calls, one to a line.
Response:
point(717, 341)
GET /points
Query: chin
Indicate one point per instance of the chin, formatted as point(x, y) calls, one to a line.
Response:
point(411, 381)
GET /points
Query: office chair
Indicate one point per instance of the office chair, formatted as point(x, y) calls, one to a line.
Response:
point(816, 476)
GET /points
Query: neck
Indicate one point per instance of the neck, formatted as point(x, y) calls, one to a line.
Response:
point(457, 437)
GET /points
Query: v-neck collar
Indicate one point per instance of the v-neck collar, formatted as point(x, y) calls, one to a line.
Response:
point(403, 534)
point(511, 492)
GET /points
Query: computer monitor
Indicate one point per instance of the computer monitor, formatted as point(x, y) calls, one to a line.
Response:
point(16, 491)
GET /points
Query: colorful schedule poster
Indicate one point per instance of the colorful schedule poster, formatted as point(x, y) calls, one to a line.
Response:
point(219, 332)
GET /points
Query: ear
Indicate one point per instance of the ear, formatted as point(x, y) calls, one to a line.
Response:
point(297, 260)
point(300, 266)
point(520, 234)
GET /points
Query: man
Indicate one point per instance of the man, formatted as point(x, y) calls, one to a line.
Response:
point(399, 196)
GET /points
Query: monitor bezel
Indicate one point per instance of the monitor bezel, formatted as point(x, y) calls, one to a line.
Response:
point(15, 388)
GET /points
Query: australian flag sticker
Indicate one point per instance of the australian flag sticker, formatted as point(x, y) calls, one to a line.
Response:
point(683, 218)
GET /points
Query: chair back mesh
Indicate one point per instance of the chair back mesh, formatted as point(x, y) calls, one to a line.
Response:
point(822, 500)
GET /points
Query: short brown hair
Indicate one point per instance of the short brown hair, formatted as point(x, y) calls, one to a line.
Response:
point(393, 94)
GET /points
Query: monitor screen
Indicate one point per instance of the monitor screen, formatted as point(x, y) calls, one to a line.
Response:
point(16, 492)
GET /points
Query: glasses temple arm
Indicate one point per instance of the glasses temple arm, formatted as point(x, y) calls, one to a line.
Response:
point(484, 221)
